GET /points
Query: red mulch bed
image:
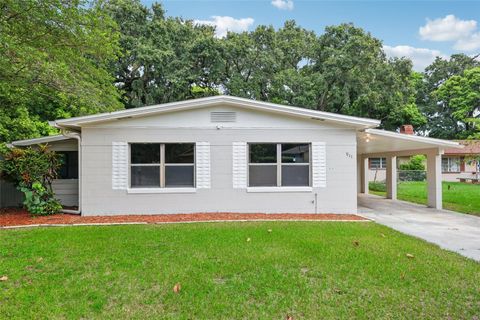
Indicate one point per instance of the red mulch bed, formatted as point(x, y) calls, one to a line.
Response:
point(19, 217)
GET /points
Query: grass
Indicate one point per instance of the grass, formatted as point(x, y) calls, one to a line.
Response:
point(461, 197)
point(303, 269)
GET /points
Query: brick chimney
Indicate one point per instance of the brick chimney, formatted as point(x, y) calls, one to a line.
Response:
point(406, 129)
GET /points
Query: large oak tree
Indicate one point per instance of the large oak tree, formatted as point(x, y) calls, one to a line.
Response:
point(53, 63)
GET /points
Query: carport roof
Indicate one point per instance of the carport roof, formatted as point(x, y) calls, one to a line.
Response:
point(376, 141)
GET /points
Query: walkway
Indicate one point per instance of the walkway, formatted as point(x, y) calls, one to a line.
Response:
point(450, 230)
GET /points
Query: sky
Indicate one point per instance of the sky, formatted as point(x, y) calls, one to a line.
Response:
point(420, 30)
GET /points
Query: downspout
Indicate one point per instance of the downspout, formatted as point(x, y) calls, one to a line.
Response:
point(76, 135)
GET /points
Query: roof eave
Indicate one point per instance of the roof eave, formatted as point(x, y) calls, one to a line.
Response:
point(433, 141)
point(41, 140)
point(360, 123)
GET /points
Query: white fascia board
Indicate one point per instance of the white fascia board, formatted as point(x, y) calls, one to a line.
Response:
point(215, 100)
point(410, 137)
point(29, 142)
point(298, 111)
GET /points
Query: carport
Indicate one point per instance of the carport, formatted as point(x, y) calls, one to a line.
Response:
point(390, 145)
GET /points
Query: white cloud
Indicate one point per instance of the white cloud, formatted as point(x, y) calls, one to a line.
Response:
point(464, 33)
point(223, 24)
point(449, 28)
point(468, 44)
point(283, 4)
point(421, 57)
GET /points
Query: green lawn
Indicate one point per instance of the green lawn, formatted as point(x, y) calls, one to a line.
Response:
point(310, 270)
point(459, 197)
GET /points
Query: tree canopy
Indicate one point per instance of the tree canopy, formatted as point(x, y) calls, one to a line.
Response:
point(53, 64)
point(60, 59)
point(442, 123)
point(460, 95)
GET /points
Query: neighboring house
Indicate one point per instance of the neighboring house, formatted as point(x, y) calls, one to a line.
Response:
point(226, 154)
point(378, 167)
point(461, 163)
point(456, 163)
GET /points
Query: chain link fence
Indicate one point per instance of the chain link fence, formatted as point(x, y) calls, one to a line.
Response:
point(402, 176)
point(411, 175)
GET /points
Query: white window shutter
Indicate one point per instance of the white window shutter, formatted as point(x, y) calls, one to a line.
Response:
point(202, 159)
point(119, 165)
point(319, 165)
point(239, 168)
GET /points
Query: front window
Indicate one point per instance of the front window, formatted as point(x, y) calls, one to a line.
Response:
point(451, 164)
point(279, 164)
point(378, 163)
point(162, 165)
point(69, 165)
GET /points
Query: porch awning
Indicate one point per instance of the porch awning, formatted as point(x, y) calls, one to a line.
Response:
point(375, 141)
point(42, 140)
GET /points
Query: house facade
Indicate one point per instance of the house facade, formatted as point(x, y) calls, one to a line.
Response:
point(462, 163)
point(219, 154)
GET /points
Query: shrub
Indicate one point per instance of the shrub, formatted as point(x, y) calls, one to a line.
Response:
point(415, 163)
point(39, 200)
point(33, 171)
point(377, 186)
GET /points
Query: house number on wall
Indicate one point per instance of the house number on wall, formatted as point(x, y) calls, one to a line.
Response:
point(348, 154)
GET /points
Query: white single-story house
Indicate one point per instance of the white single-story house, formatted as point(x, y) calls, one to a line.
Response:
point(227, 154)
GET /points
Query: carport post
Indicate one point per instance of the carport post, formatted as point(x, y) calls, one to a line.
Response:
point(392, 177)
point(434, 178)
point(364, 174)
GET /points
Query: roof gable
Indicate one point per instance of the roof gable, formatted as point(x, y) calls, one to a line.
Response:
point(356, 122)
point(221, 116)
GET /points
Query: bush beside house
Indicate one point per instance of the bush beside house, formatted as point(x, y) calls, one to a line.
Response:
point(33, 171)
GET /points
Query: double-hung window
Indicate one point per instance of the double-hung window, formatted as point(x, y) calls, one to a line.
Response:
point(162, 165)
point(279, 164)
point(378, 163)
point(451, 164)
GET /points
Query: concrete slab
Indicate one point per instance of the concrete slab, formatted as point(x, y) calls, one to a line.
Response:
point(450, 230)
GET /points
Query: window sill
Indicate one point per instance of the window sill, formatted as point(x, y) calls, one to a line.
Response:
point(279, 189)
point(161, 190)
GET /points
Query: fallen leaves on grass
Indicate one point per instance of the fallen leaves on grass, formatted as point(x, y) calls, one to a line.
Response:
point(356, 243)
point(304, 270)
point(248, 239)
point(177, 288)
point(3, 278)
point(410, 256)
point(269, 230)
point(219, 280)
point(289, 317)
point(383, 235)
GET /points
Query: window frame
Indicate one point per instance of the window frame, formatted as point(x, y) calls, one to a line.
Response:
point(383, 163)
point(65, 154)
point(457, 161)
point(162, 165)
point(279, 164)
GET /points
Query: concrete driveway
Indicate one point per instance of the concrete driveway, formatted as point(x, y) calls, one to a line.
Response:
point(450, 230)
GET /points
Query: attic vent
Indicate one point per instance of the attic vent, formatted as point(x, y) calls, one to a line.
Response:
point(223, 116)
